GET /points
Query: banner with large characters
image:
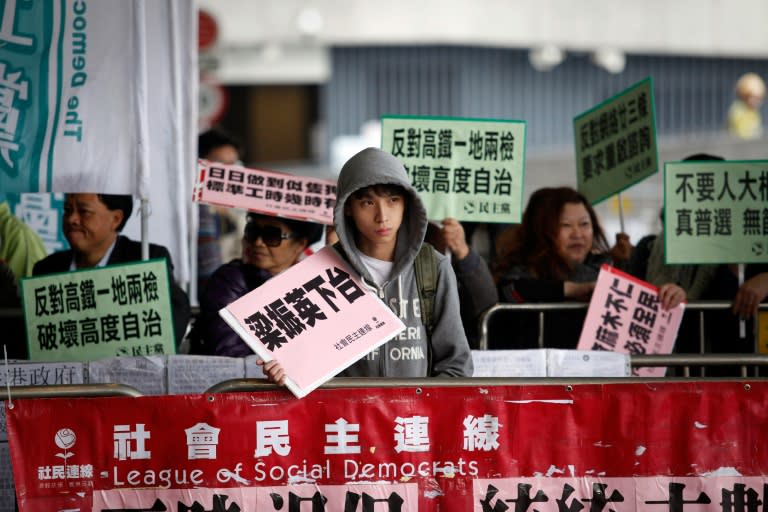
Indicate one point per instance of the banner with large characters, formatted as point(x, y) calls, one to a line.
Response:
point(100, 97)
point(669, 446)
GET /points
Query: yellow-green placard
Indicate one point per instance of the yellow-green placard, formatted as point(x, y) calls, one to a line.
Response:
point(468, 169)
point(616, 143)
point(98, 313)
point(716, 212)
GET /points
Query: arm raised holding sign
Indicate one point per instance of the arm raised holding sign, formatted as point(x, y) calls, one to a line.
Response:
point(477, 290)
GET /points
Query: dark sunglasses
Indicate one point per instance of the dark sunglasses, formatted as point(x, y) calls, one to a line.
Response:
point(272, 236)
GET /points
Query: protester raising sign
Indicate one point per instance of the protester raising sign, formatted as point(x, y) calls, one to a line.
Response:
point(624, 316)
point(468, 169)
point(316, 318)
point(270, 192)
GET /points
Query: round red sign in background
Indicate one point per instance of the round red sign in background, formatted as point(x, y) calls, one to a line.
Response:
point(207, 30)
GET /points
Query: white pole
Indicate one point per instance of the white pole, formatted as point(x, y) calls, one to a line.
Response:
point(145, 213)
point(621, 214)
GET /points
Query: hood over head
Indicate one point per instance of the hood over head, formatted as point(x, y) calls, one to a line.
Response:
point(369, 167)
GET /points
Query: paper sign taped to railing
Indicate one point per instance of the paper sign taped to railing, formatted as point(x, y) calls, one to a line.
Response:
point(270, 192)
point(625, 316)
point(316, 319)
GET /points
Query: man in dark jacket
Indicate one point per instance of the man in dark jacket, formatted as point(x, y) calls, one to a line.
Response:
point(91, 224)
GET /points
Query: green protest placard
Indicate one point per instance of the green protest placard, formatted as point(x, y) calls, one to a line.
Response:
point(99, 313)
point(468, 169)
point(716, 212)
point(616, 143)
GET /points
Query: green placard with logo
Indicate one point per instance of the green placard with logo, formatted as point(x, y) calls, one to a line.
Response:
point(716, 212)
point(468, 169)
point(616, 143)
point(98, 313)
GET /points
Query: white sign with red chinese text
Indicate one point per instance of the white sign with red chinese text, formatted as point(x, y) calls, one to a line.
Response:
point(270, 192)
point(316, 318)
point(625, 316)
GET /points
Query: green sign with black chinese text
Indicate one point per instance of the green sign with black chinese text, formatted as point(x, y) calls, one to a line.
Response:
point(98, 313)
point(468, 169)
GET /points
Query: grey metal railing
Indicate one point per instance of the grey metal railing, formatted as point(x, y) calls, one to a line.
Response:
point(255, 385)
point(542, 308)
point(72, 391)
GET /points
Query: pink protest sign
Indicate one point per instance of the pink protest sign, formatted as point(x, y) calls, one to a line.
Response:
point(624, 316)
point(262, 191)
point(316, 318)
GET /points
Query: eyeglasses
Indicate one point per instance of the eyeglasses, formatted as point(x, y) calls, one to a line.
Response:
point(272, 236)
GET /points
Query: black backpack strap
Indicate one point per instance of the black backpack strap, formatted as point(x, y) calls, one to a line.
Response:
point(425, 267)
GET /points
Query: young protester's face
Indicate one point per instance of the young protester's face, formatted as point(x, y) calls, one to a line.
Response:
point(574, 235)
point(270, 245)
point(88, 225)
point(378, 219)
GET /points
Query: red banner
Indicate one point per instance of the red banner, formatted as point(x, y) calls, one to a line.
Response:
point(623, 447)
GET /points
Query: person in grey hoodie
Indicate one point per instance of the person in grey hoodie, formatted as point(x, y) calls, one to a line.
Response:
point(381, 223)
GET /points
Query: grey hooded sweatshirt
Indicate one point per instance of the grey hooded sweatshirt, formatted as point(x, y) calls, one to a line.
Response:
point(407, 354)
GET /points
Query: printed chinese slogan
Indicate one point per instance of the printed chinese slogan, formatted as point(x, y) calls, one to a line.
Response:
point(95, 314)
point(266, 191)
point(616, 143)
point(316, 318)
point(716, 212)
point(469, 169)
point(624, 316)
point(496, 448)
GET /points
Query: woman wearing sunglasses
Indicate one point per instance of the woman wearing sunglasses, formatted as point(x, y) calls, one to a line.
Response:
point(270, 245)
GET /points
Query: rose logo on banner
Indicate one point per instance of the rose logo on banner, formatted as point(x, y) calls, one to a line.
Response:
point(65, 439)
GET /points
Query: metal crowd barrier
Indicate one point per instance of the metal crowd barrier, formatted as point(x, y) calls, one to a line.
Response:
point(253, 385)
point(700, 307)
point(73, 391)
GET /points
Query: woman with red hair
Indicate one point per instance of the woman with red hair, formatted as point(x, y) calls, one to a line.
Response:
point(555, 256)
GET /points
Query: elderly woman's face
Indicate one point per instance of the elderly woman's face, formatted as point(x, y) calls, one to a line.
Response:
point(259, 247)
point(574, 235)
point(88, 225)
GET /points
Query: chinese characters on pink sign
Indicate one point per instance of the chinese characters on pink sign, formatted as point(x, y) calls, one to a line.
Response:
point(267, 192)
point(316, 318)
point(625, 316)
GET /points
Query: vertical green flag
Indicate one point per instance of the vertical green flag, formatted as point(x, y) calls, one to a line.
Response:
point(468, 169)
point(716, 212)
point(99, 313)
point(616, 143)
